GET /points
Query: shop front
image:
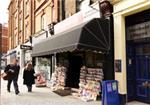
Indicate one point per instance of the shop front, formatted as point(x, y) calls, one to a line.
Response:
point(131, 35)
point(82, 48)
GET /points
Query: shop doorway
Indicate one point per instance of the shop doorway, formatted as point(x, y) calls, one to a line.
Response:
point(138, 57)
point(75, 64)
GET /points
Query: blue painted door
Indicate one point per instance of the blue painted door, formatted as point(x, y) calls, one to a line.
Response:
point(138, 73)
point(131, 84)
point(143, 78)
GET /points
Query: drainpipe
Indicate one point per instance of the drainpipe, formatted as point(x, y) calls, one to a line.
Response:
point(106, 13)
point(51, 25)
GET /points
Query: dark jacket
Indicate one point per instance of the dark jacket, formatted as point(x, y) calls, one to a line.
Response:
point(28, 76)
point(12, 71)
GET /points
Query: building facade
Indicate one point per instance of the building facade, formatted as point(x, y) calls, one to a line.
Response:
point(49, 51)
point(4, 39)
point(131, 35)
point(4, 45)
point(21, 27)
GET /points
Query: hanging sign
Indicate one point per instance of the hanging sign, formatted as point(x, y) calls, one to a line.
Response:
point(26, 47)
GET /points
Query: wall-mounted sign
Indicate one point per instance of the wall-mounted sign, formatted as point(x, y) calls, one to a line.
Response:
point(118, 65)
point(26, 47)
point(138, 31)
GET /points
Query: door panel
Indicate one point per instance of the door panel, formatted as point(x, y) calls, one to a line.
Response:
point(142, 77)
point(138, 74)
point(130, 73)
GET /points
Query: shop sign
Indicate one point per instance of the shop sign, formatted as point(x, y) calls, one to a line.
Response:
point(138, 31)
point(25, 47)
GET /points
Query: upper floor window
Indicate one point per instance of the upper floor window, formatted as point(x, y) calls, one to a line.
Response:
point(16, 3)
point(43, 21)
point(21, 5)
point(93, 1)
point(15, 21)
point(20, 23)
point(85, 4)
point(26, 30)
point(27, 8)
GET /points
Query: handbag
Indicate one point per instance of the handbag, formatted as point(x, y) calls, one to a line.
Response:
point(5, 76)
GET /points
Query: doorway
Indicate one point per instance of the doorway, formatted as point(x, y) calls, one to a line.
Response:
point(73, 74)
point(138, 72)
point(138, 56)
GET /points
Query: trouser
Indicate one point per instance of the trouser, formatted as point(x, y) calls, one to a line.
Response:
point(14, 80)
point(29, 86)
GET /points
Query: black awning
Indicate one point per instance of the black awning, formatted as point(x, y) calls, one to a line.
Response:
point(93, 35)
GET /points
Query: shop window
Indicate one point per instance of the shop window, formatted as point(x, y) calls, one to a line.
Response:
point(94, 60)
point(43, 64)
point(62, 59)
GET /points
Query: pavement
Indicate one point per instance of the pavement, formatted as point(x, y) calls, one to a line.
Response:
point(41, 96)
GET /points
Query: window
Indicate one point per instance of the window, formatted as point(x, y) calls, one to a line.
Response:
point(92, 1)
point(85, 4)
point(94, 59)
point(16, 40)
point(21, 6)
point(43, 21)
point(61, 9)
point(78, 4)
point(20, 23)
point(27, 8)
point(15, 21)
point(26, 31)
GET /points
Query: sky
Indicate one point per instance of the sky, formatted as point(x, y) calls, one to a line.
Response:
point(3, 11)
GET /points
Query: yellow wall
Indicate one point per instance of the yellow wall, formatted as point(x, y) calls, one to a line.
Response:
point(121, 10)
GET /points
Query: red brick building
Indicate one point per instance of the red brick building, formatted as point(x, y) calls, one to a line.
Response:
point(4, 39)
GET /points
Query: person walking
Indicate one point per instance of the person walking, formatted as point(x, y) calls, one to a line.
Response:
point(12, 70)
point(28, 76)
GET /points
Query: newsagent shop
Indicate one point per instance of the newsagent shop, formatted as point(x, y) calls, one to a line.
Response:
point(79, 57)
point(131, 35)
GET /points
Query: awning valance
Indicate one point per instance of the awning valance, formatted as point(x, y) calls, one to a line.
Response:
point(93, 35)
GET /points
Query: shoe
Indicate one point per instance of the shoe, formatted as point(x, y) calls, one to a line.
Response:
point(17, 92)
point(8, 91)
point(29, 90)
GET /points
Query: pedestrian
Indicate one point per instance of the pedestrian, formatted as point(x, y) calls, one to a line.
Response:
point(28, 76)
point(12, 70)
